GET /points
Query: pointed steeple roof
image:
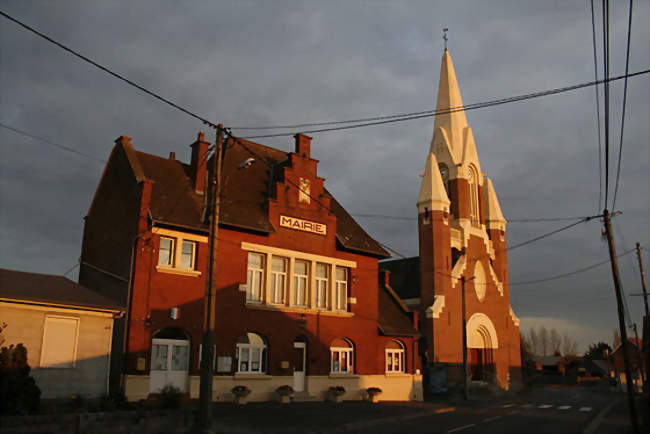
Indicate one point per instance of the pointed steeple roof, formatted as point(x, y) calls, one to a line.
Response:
point(433, 195)
point(454, 122)
point(494, 216)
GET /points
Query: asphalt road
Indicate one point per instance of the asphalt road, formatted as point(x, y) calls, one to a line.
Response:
point(565, 410)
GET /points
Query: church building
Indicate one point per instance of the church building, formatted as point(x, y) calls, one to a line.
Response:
point(462, 246)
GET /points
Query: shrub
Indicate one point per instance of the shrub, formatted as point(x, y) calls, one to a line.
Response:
point(372, 391)
point(170, 397)
point(240, 391)
point(19, 393)
point(285, 390)
point(337, 390)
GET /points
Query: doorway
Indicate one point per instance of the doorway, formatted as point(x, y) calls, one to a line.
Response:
point(300, 359)
point(170, 352)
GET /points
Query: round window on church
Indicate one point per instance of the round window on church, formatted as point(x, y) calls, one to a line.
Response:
point(480, 282)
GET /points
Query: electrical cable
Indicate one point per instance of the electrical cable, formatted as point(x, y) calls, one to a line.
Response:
point(627, 67)
point(606, 69)
point(522, 220)
point(49, 142)
point(600, 162)
point(108, 71)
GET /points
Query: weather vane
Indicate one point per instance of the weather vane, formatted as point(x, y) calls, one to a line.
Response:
point(444, 36)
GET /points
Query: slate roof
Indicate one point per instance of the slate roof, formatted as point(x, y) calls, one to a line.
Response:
point(393, 316)
point(51, 289)
point(245, 194)
point(404, 276)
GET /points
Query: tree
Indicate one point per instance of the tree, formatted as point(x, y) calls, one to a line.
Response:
point(569, 346)
point(598, 351)
point(19, 393)
point(533, 343)
point(555, 341)
point(543, 340)
point(617, 338)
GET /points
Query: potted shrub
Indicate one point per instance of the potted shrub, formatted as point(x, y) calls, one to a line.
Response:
point(285, 392)
point(240, 392)
point(373, 393)
point(336, 393)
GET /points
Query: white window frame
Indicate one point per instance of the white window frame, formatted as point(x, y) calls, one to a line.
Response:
point(43, 363)
point(172, 251)
point(194, 245)
point(341, 290)
point(178, 239)
point(255, 277)
point(395, 361)
point(303, 301)
point(322, 286)
point(250, 348)
point(279, 280)
point(349, 351)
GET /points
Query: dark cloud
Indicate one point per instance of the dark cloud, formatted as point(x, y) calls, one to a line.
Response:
point(259, 63)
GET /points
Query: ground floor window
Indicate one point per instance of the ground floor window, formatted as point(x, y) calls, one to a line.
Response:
point(341, 354)
point(250, 355)
point(395, 357)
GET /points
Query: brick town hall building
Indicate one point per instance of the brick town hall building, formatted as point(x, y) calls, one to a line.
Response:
point(462, 234)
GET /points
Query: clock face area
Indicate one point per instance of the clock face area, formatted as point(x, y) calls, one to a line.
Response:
point(444, 171)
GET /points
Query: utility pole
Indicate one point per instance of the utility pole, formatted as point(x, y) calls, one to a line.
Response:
point(207, 351)
point(645, 291)
point(621, 320)
point(465, 367)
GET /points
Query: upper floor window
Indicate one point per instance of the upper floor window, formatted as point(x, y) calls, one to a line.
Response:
point(341, 291)
point(166, 251)
point(472, 179)
point(254, 277)
point(250, 354)
point(341, 355)
point(322, 282)
point(300, 282)
point(188, 254)
point(394, 357)
point(278, 279)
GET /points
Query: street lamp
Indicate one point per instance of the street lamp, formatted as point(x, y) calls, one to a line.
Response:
point(207, 362)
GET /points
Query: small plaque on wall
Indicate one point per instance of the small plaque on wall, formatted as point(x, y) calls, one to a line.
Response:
point(141, 364)
point(224, 364)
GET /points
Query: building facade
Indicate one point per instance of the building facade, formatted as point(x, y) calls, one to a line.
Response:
point(462, 242)
point(297, 299)
point(66, 328)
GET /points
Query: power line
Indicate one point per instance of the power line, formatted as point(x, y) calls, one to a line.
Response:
point(600, 162)
point(606, 69)
point(522, 220)
point(108, 71)
point(426, 114)
point(548, 234)
point(49, 142)
point(627, 66)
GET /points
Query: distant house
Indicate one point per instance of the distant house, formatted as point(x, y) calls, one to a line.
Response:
point(634, 351)
point(65, 327)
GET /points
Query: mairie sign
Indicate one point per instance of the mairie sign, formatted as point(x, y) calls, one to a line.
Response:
point(303, 225)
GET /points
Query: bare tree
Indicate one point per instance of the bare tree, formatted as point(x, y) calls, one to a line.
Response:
point(617, 338)
point(543, 340)
point(569, 346)
point(533, 341)
point(555, 341)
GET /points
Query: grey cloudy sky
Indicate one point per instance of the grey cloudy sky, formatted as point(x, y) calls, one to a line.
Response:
point(250, 63)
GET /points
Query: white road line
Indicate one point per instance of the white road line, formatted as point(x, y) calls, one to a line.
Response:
point(564, 407)
point(585, 408)
point(544, 406)
point(507, 405)
point(461, 428)
point(527, 406)
point(491, 419)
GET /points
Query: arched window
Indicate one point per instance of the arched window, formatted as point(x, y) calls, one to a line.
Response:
point(472, 179)
point(250, 356)
point(444, 174)
point(342, 356)
point(395, 361)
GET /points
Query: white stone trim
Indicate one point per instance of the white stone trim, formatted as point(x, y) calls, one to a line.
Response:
point(435, 310)
point(514, 317)
point(297, 254)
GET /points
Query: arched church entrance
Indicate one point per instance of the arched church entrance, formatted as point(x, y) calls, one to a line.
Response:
point(481, 342)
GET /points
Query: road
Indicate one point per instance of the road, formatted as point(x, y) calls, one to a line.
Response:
point(545, 410)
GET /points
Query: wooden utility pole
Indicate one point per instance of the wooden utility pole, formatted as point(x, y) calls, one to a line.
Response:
point(621, 320)
point(465, 367)
point(207, 350)
point(645, 291)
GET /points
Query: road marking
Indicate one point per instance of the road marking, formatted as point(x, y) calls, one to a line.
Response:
point(527, 406)
point(491, 419)
point(593, 425)
point(507, 405)
point(444, 410)
point(564, 407)
point(461, 428)
point(585, 408)
point(544, 406)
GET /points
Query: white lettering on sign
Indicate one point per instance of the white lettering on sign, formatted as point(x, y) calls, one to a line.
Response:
point(303, 225)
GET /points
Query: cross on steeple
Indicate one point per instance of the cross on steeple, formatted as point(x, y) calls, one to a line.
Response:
point(444, 36)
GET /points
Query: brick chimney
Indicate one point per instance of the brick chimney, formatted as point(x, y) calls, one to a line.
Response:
point(303, 143)
point(199, 163)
